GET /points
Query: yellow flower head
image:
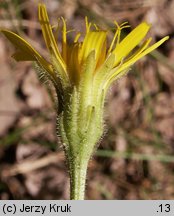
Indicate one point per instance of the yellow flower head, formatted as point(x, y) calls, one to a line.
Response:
point(66, 66)
point(82, 71)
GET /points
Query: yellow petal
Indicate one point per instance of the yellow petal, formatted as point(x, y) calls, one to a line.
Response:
point(25, 49)
point(140, 49)
point(25, 52)
point(73, 63)
point(48, 35)
point(151, 48)
point(130, 42)
point(94, 40)
point(131, 61)
point(102, 56)
point(64, 42)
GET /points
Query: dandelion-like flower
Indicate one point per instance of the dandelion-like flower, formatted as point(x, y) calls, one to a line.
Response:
point(82, 72)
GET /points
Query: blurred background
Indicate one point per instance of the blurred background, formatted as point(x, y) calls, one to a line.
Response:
point(135, 159)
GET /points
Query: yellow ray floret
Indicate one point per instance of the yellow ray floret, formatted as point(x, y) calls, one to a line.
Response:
point(47, 32)
point(51, 44)
point(142, 51)
point(130, 41)
point(94, 40)
point(25, 52)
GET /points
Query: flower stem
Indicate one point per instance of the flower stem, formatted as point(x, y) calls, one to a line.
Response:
point(78, 179)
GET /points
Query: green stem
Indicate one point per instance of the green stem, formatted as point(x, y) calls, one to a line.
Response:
point(78, 179)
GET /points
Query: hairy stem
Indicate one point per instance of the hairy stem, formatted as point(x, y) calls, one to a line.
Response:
point(78, 179)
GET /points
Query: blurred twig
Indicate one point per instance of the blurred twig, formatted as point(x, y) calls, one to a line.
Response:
point(29, 165)
point(25, 23)
point(135, 156)
point(162, 59)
